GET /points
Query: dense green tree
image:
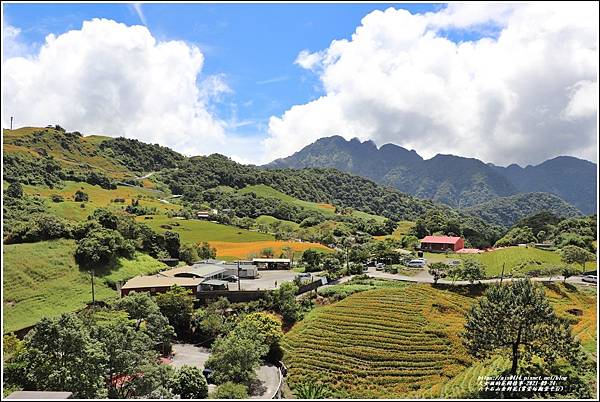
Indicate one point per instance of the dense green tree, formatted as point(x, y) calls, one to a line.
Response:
point(230, 390)
point(311, 260)
point(172, 243)
point(106, 218)
point(438, 270)
point(15, 190)
point(177, 305)
point(472, 270)
point(143, 308)
point(283, 300)
point(80, 196)
point(332, 266)
point(188, 253)
point(517, 235)
point(576, 255)
point(128, 352)
point(517, 318)
point(265, 326)
point(236, 356)
point(62, 356)
point(568, 271)
point(267, 252)
point(206, 252)
point(101, 247)
point(189, 383)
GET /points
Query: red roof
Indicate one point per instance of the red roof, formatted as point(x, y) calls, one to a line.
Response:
point(440, 239)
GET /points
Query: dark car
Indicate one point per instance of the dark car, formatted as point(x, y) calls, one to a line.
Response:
point(231, 278)
point(208, 374)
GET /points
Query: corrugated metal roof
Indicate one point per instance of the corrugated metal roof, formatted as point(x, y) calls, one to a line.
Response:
point(440, 239)
point(201, 270)
point(157, 281)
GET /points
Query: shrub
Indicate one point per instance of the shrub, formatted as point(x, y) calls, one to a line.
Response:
point(80, 196)
point(189, 383)
point(57, 198)
point(230, 390)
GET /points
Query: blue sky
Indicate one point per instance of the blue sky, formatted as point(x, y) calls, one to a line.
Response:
point(252, 45)
point(501, 82)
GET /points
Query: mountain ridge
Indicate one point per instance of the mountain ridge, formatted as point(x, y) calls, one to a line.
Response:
point(457, 181)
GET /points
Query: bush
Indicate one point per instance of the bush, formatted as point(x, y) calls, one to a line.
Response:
point(230, 390)
point(101, 247)
point(189, 383)
point(15, 190)
point(57, 198)
point(80, 196)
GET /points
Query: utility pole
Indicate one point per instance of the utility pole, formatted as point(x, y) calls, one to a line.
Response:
point(238, 275)
point(11, 119)
point(93, 293)
point(502, 275)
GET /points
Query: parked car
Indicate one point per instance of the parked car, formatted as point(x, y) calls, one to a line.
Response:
point(208, 374)
point(380, 266)
point(231, 278)
point(365, 268)
point(416, 263)
point(590, 278)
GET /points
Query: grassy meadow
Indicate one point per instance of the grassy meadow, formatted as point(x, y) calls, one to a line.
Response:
point(98, 198)
point(43, 280)
point(196, 231)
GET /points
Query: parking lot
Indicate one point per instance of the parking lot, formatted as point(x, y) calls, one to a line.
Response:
point(267, 280)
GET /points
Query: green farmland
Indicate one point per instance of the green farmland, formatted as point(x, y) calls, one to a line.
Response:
point(196, 231)
point(42, 280)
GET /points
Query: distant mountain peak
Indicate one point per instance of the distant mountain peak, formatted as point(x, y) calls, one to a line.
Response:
point(451, 179)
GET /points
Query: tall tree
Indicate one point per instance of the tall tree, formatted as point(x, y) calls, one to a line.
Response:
point(438, 270)
point(576, 255)
point(517, 318)
point(177, 305)
point(189, 383)
point(62, 356)
point(472, 270)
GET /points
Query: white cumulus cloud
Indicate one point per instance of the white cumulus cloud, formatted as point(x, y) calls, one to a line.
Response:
point(113, 79)
point(526, 94)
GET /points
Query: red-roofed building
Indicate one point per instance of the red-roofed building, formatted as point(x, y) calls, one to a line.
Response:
point(442, 243)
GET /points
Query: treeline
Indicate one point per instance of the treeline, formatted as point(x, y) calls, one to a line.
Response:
point(548, 228)
point(139, 156)
point(506, 211)
point(45, 170)
point(476, 233)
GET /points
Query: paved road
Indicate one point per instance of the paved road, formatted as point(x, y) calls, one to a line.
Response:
point(422, 276)
point(191, 355)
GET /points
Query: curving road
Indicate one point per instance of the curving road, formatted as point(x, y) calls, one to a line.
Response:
point(422, 276)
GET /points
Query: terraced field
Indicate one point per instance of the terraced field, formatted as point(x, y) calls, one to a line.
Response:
point(403, 342)
point(387, 342)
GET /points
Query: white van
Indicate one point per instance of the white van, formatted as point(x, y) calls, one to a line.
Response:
point(416, 263)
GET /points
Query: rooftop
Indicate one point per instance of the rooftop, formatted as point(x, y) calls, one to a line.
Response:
point(271, 260)
point(157, 281)
point(199, 270)
point(31, 395)
point(440, 239)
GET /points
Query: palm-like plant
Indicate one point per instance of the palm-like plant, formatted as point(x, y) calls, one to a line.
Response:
point(311, 390)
